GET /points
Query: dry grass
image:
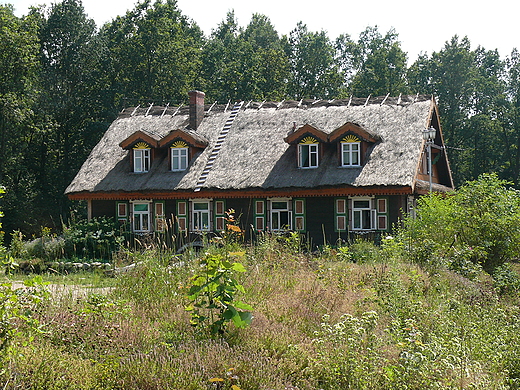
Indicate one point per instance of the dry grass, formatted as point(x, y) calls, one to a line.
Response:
point(137, 336)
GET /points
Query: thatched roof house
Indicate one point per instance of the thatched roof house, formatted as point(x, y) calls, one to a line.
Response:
point(341, 165)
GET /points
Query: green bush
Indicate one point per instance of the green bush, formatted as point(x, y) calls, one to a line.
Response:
point(97, 238)
point(480, 223)
point(364, 251)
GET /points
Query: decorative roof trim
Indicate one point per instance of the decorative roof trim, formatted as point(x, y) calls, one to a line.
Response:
point(353, 128)
point(140, 136)
point(252, 194)
point(174, 135)
point(304, 131)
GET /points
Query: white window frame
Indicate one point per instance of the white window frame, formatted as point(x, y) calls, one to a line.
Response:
point(197, 215)
point(181, 157)
point(275, 215)
point(141, 160)
point(351, 152)
point(312, 151)
point(363, 215)
point(139, 217)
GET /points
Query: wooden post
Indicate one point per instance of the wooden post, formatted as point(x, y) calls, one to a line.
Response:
point(89, 209)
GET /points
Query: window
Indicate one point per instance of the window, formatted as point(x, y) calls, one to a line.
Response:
point(350, 154)
point(200, 216)
point(280, 215)
point(361, 214)
point(308, 155)
point(141, 160)
point(179, 159)
point(141, 216)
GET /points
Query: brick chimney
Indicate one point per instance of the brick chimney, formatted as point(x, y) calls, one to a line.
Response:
point(196, 108)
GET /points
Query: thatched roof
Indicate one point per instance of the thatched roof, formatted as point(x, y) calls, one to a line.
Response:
point(254, 154)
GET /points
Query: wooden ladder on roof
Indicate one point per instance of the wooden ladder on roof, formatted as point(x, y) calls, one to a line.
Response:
point(218, 145)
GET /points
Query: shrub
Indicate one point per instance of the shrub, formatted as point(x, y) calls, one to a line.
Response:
point(482, 217)
point(364, 251)
point(97, 238)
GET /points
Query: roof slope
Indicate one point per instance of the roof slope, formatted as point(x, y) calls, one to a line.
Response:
point(254, 154)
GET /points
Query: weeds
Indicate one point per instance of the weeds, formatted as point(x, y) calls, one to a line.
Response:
point(321, 321)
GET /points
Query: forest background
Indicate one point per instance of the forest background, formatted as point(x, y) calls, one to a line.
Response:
point(63, 80)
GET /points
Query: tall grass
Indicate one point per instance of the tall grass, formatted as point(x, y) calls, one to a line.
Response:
point(321, 321)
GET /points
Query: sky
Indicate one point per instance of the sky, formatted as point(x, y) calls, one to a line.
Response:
point(423, 26)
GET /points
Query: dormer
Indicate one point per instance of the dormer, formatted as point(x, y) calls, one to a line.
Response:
point(182, 147)
point(142, 146)
point(309, 141)
point(353, 143)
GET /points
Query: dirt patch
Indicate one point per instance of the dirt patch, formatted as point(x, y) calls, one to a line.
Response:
point(73, 291)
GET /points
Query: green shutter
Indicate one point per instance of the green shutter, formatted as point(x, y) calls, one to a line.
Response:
point(260, 211)
point(219, 208)
point(181, 217)
point(341, 214)
point(382, 222)
point(159, 216)
point(123, 213)
point(299, 215)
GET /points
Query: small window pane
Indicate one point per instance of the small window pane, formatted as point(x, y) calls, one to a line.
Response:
point(260, 207)
point(259, 223)
point(341, 206)
point(141, 207)
point(381, 205)
point(219, 205)
point(200, 206)
point(121, 210)
point(159, 209)
point(182, 224)
point(298, 206)
point(279, 205)
point(342, 222)
point(220, 223)
point(361, 204)
point(299, 223)
point(181, 208)
point(381, 222)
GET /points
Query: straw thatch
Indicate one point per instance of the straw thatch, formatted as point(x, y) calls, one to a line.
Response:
point(254, 154)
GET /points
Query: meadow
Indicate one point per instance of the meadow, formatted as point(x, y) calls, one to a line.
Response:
point(351, 317)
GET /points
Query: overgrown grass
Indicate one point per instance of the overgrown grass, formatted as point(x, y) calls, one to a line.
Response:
point(320, 321)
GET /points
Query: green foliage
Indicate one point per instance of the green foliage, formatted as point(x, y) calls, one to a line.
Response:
point(97, 238)
point(480, 223)
point(212, 294)
point(347, 352)
point(364, 251)
point(17, 308)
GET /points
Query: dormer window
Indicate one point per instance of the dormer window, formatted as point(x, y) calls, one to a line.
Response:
point(141, 157)
point(308, 153)
point(307, 139)
point(179, 156)
point(350, 151)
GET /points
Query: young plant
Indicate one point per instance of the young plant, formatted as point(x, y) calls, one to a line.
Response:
point(212, 295)
point(213, 289)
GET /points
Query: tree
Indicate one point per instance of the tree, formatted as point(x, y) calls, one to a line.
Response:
point(512, 121)
point(379, 64)
point(18, 92)
point(70, 106)
point(314, 71)
point(153, 54)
